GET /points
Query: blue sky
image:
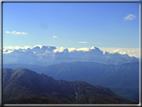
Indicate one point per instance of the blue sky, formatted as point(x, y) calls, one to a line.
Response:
point(71, 24)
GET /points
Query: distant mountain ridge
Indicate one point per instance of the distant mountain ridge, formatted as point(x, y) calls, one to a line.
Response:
point(24, 86)
point(86, 71)
point(46, 56)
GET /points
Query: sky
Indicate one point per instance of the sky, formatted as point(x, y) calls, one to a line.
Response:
point(113, 26)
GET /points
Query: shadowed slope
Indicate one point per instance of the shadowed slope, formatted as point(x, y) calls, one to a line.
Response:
point(19, 86)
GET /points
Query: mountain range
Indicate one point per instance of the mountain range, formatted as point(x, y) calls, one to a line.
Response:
point(119, 72)
point(23, 86)
point(46, 55)
point(122, 79)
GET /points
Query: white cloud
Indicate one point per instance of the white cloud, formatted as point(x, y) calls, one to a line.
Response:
point(130, 17)
point(21, 33)
point(54, 37)
point(82, 49)
point(82, 42)
point(13, 32)
point(7, 32)
point(59, 49)
point(71, 49)
point(130, 51)
point(39, 46)
point(26, 47)
point(8, 51)
point(17, 33)
point(16, 47)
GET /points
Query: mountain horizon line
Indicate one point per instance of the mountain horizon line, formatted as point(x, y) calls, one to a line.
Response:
point(132, 52)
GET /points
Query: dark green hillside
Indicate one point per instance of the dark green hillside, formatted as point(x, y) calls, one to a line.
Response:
point(122, 79)
point(25, 86)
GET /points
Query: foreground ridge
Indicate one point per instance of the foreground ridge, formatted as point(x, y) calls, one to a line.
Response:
point(24, 86)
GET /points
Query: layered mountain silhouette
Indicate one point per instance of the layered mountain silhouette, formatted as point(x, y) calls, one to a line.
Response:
point(24, 86)
point(122, 79)
point(47, 56)
point(119, 72)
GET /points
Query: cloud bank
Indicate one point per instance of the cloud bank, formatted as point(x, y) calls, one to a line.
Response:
point(17, 33)
point(16, 47)
point(130, 51)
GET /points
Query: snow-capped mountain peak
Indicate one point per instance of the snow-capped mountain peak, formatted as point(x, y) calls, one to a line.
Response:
point(44, 55)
